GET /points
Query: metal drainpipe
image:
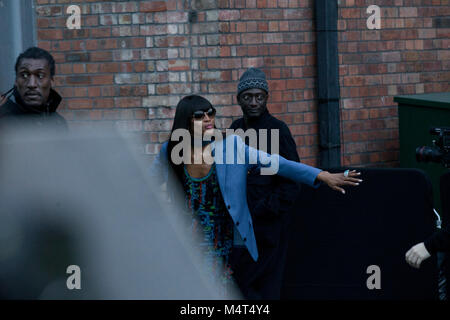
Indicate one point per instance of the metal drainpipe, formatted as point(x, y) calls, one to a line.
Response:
point(328, 83)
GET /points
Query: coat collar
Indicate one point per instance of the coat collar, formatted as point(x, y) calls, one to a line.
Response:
point(54, 99)
point(258, 122)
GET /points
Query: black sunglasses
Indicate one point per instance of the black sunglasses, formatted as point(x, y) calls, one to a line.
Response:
point(199, 115)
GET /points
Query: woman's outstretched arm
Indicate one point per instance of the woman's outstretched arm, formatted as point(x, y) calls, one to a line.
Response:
point(298, 171)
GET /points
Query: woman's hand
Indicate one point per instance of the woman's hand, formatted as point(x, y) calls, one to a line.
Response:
point(336, 180)
point(416, 255)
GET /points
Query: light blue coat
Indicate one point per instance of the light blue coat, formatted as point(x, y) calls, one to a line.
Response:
point(232, 168)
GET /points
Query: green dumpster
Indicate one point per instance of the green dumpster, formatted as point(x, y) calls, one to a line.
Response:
point(417, 115)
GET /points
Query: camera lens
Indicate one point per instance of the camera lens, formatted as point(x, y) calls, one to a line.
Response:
point(427, 154)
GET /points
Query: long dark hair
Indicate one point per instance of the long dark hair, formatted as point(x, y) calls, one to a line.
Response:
point(183, 116)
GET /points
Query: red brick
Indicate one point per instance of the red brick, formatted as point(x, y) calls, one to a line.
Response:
point(251, 38)
point(94, 91)
point(131, 91)
point(296, 14)
point(354, 81)
point(225, 51)
point(153, 30)
point(300, 106)
point(443, 55)
point(222, 87)
point(79, 68)
point(262, 27)
point(95, 115)
point(230, 63)
point(77, 80)
point(101, 56)
point(157, 125)
point(229, 15)
point(79, 103)
point(250, 14)
point(296, 84)
point(152, 6)
point(50, 34)
point(100, 32)
point(140, 66)
point(103, 103)
point(110, 67)
point(292, 61)
point(408, 12)
point(273, 38)
point(127, 102)
point(103, 79)
point(140, 114)
point(352, 13)
point(179, 65)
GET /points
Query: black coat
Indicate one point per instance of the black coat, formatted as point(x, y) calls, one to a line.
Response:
point(14, 113)
point(440, 240)
point(270, 200)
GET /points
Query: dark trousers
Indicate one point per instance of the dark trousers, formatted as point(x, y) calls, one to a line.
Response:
point(262, 280)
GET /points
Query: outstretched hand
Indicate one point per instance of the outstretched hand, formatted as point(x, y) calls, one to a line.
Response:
point(336, 180)
point(416, 255)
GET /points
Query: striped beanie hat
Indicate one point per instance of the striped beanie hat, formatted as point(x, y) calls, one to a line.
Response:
point(252, 78)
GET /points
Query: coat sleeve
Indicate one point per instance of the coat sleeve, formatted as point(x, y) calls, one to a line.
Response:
point(438, 242)
point(276, 164)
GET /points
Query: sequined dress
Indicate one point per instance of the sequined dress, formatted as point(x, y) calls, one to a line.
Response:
point(211, 220)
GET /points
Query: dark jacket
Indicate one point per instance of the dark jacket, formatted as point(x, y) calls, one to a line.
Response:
point(14, 112)
point(440, 240)
point(270, 200)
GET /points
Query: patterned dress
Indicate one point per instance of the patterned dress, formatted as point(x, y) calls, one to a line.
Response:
point(211, 220)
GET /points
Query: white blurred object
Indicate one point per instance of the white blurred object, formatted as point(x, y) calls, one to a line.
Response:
point(85, 199)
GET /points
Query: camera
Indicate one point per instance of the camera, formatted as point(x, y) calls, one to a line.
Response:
point(440, 152)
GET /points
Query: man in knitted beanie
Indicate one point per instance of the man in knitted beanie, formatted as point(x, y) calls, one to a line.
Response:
point(270, 198)
point(253, 82)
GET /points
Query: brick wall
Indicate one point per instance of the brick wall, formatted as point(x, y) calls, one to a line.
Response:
point(408, 55)
point(132, 61)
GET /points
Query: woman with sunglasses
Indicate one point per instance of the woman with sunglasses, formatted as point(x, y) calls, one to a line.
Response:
point(215, 193)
